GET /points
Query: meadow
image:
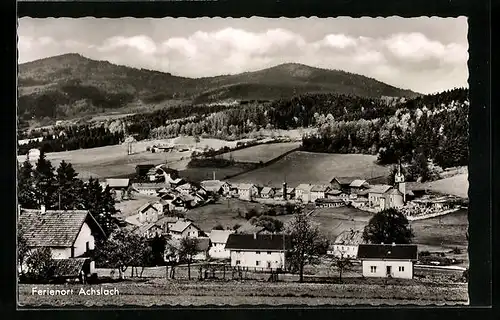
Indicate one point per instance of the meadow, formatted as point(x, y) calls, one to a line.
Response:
point(197, 293)
point(457, 185)
point(315, 168)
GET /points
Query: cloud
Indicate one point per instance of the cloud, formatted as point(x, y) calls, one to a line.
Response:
point(407, 60)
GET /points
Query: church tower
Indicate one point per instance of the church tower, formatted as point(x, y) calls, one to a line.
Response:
point(399, 179)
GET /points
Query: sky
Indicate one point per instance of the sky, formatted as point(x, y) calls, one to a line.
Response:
point(426, 55)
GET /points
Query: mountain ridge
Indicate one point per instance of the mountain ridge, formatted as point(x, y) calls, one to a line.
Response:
point(75, 84)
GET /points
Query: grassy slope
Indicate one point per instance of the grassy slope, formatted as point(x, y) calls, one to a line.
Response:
point(263, 152)
point(457, 185)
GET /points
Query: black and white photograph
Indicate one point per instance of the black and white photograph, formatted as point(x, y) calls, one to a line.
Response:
point(242, 161)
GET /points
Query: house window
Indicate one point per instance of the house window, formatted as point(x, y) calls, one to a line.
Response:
point(401, 269)
point(257, 252)
point(373, 269)
point(87, 246)
point(269, 252)
point(269, 264)
point(257, 263)
point(238, 262)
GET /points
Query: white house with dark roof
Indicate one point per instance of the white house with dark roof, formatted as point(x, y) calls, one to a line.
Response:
point(264, 252)
point(267, 192)
point(388, 260)
point(218, 240)
point(216, 186)
point(68, 233)
point(247, 191)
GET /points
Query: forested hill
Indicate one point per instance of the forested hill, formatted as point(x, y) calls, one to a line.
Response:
point(72, 85)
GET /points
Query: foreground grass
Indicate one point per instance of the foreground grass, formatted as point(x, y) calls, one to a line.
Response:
point(179, 292)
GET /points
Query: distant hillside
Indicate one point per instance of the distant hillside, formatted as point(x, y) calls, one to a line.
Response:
point(71, 85)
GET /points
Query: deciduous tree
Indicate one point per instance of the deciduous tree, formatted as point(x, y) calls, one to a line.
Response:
point(388, 226)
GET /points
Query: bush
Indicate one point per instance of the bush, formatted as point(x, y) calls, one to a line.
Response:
point(424, 253)
point(457, 251)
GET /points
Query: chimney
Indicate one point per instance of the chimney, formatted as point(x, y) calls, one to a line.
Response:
point(284, 190)
point(42, 209)
point(213, 175)
point(255, 235)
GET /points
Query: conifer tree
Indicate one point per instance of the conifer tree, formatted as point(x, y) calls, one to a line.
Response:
point(26, 191)
point(45, 182)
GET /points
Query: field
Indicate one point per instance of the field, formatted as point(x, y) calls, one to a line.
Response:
point(225, 212)
point(196, 293)
point(457, 185)
point(261, 153)
point(112, 161)
point(308, 167)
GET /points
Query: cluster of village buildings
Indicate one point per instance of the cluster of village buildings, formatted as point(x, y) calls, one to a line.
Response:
point(71, 234)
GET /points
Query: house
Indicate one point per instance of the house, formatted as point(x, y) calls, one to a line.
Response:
point(318, 191)
point(358, 185)
point(267, 193)
point(184, 228)
point(33, 155)
point(150, 189)
point(388, 260)
point(148, 213)
point(67, 233)
point(303, 192)
point(247, 191)
point(217, 186)
point(341, 183)
point(150, 230)
point(375, 193)
point(333, 194)
point(119, 188)
point(263, 252)
point(218, 240)
point(163, 173)
point(329, 203)
point(186, 188)
point(415, 189)
point(346, 244)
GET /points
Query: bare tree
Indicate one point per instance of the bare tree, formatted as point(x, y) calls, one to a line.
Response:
point(341, 263)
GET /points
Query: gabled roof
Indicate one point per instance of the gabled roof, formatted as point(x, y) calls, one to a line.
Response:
point(220, 236)
point(333, 192)
point(54, 228)
point(394, 191)
point(118, 183)
point(388, 251)
point(343, 180)
point(248, 228)
point(212, 185)
point(258, 242)
point(304, 186)
point(185, 186)
point(379, 188)
point(145, 206)
point(350, 237)
point(357, 183)
point(266, 190)
point(320, 188)
point(245, 186)
point(182, 225)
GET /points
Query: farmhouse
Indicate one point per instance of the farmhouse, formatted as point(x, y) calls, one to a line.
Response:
point(329, 203)
point(119, 188)
point(376, 192)
point(346, 244)
point(358, 186)
point(263, 252)
point(185, 188)
point(318, 191)
point(303, 192)
point(388, 260)
point(152, 211)
point(68, 234)
point(267, 192)
point(149, 230)
point(184, 228)
point(340, 183)
point(162, 172)
point(218, 240)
